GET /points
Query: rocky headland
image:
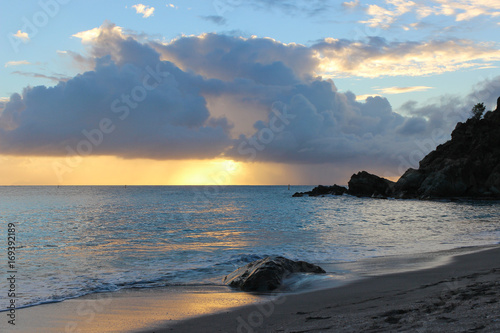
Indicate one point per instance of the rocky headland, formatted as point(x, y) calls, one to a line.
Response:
point(467, 166)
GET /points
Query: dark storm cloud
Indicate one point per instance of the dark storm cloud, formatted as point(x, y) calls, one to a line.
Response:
point(227, 57)
point(131, 105)
point(303, 118)
point(413, 126)
point(315, 123)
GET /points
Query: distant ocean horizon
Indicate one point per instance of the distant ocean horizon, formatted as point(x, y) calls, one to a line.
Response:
point(77, 240)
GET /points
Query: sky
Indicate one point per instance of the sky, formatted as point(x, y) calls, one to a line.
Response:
point(232, 92)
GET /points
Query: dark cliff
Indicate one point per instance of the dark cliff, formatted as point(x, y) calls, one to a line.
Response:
point(468, 165)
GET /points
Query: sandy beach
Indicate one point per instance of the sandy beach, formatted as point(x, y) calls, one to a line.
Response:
point(461, 296)
point(126, 310)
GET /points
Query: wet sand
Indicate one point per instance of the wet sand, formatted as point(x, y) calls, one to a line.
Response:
point(460, 295)
point(126, 310)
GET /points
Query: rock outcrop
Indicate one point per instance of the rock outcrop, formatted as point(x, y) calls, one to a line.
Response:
point(467, 166)
point(267, 274)
point(323, 190)
point(364, 184)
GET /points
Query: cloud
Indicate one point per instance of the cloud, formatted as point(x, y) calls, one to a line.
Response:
point(219, 20)
point(17, 63)
point(324, 126)
point(80, 61)
point(3, 102)
point(445, 111)
point(216, 96)
point(146, 11)
point(171, 5)
point(378, 57)
point(360, 98)
point(297, 7)
point(91, 35)
point(351, 5)
point(464, 10)
point(106, 111)
point(328, 126)
point(412, 126)
point(22, 36)
point(402, 90)
point(384, 16)
point(331, 127)
point(227, 57)
point(54, 77)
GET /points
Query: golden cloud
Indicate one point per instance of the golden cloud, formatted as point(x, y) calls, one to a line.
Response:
point(379, 58)
point(402, 90)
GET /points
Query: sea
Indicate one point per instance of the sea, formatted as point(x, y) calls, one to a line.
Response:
point(72, 241)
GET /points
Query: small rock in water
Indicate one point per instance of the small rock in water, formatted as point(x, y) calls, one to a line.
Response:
point(323, 190)
point(267, 274)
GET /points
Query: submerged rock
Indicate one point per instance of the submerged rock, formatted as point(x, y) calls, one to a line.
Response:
point(267, 274)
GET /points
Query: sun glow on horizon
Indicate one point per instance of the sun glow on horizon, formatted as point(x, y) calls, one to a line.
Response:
point(109, 170)
point(210, 172)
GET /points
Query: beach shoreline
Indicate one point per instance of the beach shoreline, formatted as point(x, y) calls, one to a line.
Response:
point(183, 309)
point(126, 310)
point(460, 296)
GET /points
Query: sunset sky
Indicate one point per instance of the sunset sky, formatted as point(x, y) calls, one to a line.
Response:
point(236, 92)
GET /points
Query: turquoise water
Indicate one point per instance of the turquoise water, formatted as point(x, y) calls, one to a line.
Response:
point(73, 241)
